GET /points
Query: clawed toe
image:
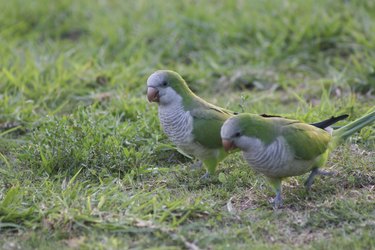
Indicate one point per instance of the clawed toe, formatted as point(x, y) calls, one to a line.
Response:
point(196, 165)
point(277, 202)
point(205, 176)
point(325, 173)
point(314, 172)
point(308, 183)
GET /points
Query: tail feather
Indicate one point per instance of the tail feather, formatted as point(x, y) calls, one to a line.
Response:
point(344, 132)
point(326, 123)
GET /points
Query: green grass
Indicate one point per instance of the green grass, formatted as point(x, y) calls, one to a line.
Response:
point(85, 164)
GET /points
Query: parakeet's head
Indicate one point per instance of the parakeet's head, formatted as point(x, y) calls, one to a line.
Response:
point(233, 132)
point(165, 87)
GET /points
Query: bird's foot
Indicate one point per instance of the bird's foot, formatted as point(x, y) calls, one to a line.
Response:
point(206, 176)
point(325, 173)
point(309, 182)
point(314, 172)
point(196, 165)
point(277, 201)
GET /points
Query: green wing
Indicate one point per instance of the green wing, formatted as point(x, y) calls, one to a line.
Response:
point(307, 141)
point(207, 125)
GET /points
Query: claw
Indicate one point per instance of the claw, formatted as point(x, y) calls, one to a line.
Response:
point(310, 180)
point(325, 173)
point(277, 201)
point(196, 165)
point(205, 176)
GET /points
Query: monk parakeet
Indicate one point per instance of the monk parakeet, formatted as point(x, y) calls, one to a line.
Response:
point(278, 147)
point(190, 122)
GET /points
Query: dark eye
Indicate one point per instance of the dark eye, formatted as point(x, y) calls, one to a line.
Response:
point(238, 134)
point(165, 83)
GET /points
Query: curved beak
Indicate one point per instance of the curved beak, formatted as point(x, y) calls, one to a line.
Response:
point(228, 145)
point(152, 94)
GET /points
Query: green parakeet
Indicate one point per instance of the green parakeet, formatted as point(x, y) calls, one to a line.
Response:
point(278, 147)
point(190, 122)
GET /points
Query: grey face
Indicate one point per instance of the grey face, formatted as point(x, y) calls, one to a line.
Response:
point(230, 129)
point(159, 88)
point(233, 136)
point(230, 134)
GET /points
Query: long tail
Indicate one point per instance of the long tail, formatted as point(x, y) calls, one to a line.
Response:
point(329, 122)
point(344, 132)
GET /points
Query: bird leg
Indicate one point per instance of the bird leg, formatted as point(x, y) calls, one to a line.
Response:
point(277, 201)
point(276, 186)
point(210, 164)
point(205, 176)
point(315, 172)
point(196, 165)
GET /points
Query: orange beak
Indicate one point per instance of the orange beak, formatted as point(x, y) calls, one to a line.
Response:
point(152, 94)
point(228, 145)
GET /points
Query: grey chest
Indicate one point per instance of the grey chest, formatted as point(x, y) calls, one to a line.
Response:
point(177, 124)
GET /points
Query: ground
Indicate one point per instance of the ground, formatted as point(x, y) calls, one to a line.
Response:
point(85, 164)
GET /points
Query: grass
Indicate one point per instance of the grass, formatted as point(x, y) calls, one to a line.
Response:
point(85, 164)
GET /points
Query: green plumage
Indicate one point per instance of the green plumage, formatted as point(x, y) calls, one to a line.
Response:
point(280, 147)
point(207, 125)
point(190, 122)
point(259, 127)
point(307, 141)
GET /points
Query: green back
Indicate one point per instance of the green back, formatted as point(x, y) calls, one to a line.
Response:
point(207, 125)
point(307, 141)
point(259, 127)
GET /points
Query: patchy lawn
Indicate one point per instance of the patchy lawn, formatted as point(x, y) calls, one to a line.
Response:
point(85, 164)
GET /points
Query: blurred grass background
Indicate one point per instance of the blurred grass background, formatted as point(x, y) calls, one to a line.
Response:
point(84, 163)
